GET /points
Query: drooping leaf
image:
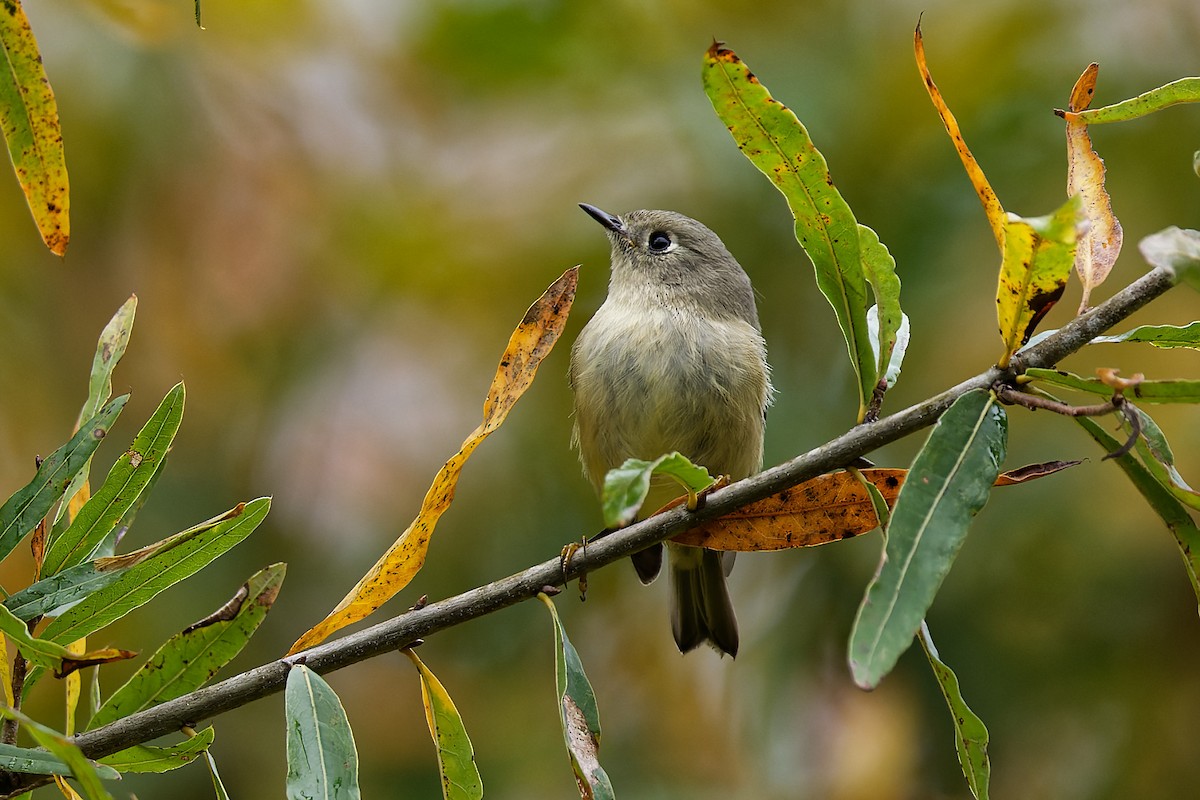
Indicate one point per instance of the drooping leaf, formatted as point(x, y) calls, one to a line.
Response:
point(322, 758)
point(29, 119)
point(626, 486)
point(529, 344)
point(579, 714)
point(1100, 242)
point(187, 660)
point(126, 480)
point(776, 142)
point(1184, 90)
point(51, 655)
point(899, 347)
point(88, 773)
point(1166, 336)
point(188, 552)
point(1173, 513)
point(970, 734)
point(1156, 454)
point(218, 784)
point(991, 204)
point(946, 487)
point(32, 761)
point(456, 757)
point(1031, 472)
point(828, 508)
point(149, 758)
point(1177, 250)
point(22, 512)
point(1038, 254)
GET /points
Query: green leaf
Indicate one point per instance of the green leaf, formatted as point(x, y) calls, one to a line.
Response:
point(1158, 335)
point(1173, 513)
point(88, 773)
point(1184, 90)
point(1175, 250)
point(456, 757)
point(193, 550)
point(970, 734)
point(29, 119)
point(946, 487)
point(33, 761)
point(1172, 391)
point(22, 512)
point(626, 486)
point(885, 321)
point(187, 660)
point(1156, 454)
point(322, 759)
point(147, 758)
point(578, 713)
point(1039, 254)
point(218, 785)
point(109, 350)
point(51, 655)
point(126, 481)
point(776, 142)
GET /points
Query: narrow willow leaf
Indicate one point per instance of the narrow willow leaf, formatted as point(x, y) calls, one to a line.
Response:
point(578, 713)
point(776, 142)
point(886, 323)
point(218, 784)
point(59, 590)
point(147, 758)
point(1166, 336)
point(531, 342)
point(970, 734)
point(187, 660)
point(991, 204)
point(1156, 454)
point(1184, 90)
point(22, 512)
point(88, 773)
point(51, 655)
point(126, 481)
point(29, 119)
point(1178, 391)
point(196, 549)
point(1038, 255)
point(1177, 250)
point(1173, 513)
point(946, 487)
point(322, 759)
point(626, 486)
point(1100, 242)
point(31, 761)
point(456, 757)
point(109, 350)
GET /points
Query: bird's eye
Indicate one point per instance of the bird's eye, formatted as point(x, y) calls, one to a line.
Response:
point(659, 242)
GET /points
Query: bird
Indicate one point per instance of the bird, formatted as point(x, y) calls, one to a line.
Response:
point(673, 360)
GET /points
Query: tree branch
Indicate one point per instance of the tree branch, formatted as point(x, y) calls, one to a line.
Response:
point(418, 623)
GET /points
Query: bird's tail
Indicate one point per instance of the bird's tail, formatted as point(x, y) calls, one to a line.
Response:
point(700, 607)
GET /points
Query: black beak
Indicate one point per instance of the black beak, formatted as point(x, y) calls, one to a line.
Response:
point(609, 221)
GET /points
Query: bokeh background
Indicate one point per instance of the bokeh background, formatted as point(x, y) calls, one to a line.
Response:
point(333, 214)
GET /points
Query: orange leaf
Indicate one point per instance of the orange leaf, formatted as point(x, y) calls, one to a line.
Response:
point(1100, 244)
point(991, 203)
point(529, 344)
point(826, 509)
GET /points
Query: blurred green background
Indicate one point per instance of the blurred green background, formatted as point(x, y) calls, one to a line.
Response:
point(334, 213)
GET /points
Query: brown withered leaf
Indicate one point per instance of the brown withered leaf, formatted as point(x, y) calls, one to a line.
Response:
point(106, 656)
point(1032, 472)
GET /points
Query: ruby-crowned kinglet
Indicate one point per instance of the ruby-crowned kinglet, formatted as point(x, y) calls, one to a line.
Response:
point(673, 360)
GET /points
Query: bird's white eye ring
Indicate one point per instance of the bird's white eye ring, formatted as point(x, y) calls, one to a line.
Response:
point(660, 242)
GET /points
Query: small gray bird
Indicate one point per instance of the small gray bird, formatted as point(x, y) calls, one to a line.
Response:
point(673, 360)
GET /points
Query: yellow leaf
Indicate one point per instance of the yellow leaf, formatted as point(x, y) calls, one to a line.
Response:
point(529, 344)
point(826, 509)
point(1038, 254)
point(29, 119)
point(74, 686)
point(991, 203)
point(1100, 243)
point(66, 788)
